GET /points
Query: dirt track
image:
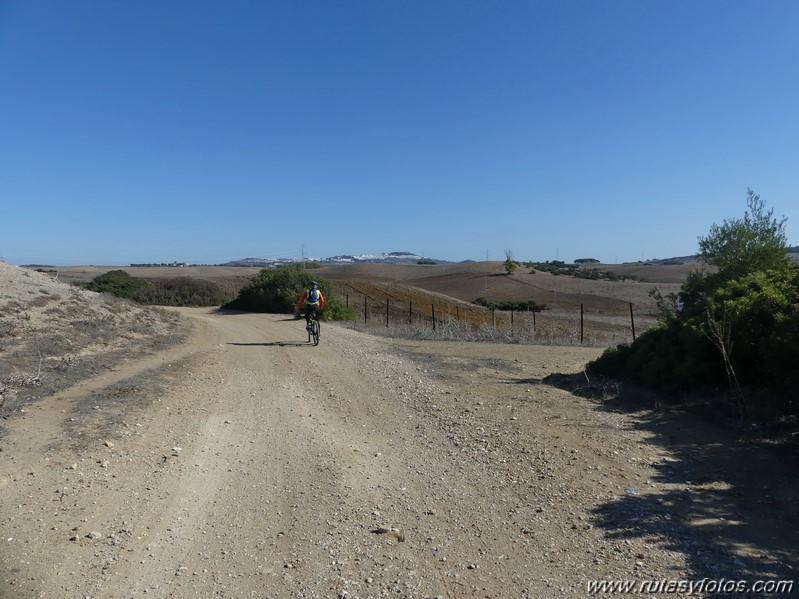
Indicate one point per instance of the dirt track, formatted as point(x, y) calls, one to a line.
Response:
point(246, 463)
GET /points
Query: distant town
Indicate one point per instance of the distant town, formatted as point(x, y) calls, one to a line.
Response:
point(384, 258)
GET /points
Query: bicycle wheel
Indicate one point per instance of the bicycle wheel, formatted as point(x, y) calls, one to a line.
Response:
point(315, 331)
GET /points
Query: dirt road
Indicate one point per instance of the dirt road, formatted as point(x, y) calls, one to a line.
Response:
point(246, 463)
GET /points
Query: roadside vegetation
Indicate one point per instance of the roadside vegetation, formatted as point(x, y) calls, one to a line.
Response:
point(733, 327)
point(178, 291)
point(277, 290)
point(181, 291)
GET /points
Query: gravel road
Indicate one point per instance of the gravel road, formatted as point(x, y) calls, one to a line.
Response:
point(247, 463)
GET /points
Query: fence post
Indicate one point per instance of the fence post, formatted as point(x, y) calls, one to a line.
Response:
point(581, 323)
point(511, 321)
point(386, 312)
point(494, 317)
point(348, 300)
point(632, 320)
point(457, 314)
point(533, 319)
point(434, 316)
point(410, 312)
point(364, 308)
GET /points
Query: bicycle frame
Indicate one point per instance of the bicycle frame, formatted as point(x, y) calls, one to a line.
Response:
point(313, 331)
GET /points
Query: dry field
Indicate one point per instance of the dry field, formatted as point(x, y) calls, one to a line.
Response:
point(579, 311)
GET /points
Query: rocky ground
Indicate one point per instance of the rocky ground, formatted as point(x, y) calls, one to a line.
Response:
point(220, 455)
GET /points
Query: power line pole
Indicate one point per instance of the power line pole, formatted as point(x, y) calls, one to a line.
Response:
point(486, 277)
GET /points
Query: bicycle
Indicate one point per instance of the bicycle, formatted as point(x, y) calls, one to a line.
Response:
point(313, 330)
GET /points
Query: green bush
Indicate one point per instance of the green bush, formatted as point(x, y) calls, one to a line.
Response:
point(761, 309)
point(761, 316)
point(670, 357)
point(558, 267)
point(554, 267)
point(335, 310)
point(741, 246)
point(182, 291)
point(117, 282)
point(738, 325)
point(277, 290)
point(515, 305)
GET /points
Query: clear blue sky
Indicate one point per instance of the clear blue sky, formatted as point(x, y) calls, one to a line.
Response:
point(205, 131)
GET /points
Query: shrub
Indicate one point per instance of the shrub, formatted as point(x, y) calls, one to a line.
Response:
point(738, 325)
point(670, 357)
point(117, 282)
point(555, 267)
point(763, 317)
point(335, 310)
point(277, 290)
point(182, 291)
point(515, 305)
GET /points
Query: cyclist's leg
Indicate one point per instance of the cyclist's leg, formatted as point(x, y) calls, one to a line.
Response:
point(316, 317)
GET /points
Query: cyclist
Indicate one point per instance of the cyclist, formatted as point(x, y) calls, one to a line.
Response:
point(314, 303)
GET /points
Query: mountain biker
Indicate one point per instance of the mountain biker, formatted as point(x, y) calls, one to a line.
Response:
point(314, 303)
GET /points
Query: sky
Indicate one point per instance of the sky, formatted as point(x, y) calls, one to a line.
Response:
point(207, 131)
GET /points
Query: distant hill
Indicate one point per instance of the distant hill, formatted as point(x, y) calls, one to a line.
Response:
point(675, 260)
point(793, 253)
point(411, 258)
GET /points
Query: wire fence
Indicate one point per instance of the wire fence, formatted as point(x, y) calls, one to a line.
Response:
point(448, 319)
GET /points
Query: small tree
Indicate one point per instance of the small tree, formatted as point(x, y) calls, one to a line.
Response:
point(742, 246)
point(510, 265)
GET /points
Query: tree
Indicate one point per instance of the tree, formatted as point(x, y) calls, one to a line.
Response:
point(510, 265)
point(742, 246)
point(737, 248)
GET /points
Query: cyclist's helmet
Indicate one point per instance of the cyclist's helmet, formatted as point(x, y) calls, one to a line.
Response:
point(314, 283)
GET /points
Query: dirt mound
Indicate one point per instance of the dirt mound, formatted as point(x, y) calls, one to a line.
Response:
point(53, 334)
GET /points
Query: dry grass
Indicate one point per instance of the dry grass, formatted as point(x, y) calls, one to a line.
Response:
point(52, 335)
point(401, 301)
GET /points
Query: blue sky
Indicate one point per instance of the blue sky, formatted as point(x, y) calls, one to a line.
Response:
point(207, 131)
